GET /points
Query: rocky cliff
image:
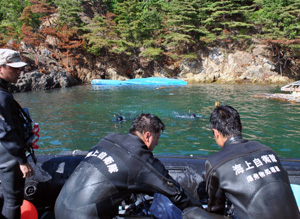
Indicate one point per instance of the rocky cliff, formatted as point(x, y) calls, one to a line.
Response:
point(214, 65)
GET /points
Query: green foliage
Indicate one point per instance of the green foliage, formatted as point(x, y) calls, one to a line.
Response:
point(179, 26)
point(69, 12)
point(175, 28)
point(227, 18)
point(136, 22)
point(176, 40)
point(152, 53)
point(101, 34)
point(29, 18)
point(182, 24)
point(190, 56)
point(278, 19)
point(10, 11)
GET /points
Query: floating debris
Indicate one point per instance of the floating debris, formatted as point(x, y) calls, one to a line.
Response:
point(278, 96)
point(292, 96)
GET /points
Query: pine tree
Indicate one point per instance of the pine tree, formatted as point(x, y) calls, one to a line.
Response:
point(182, 29)
point(11, 10)
point(10, 26)
point(43, 9)
point(101, 34)
point(278, 19)
point(137, 23)
point(28, 35)
point(278, 23)
point(228, 19)
point(69, 11)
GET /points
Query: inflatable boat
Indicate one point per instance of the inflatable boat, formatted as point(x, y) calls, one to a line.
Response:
point(52, 171)
point(292, 87)
point(140, 81)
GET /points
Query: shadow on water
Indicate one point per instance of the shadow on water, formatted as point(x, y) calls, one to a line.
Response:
point(78, 117)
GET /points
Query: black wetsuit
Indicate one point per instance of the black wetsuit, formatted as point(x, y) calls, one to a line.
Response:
point(12, 153)
point(250, 175)
point(116, 167)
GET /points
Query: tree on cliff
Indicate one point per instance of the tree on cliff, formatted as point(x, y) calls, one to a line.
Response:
point(227, 20)
point(158, 29)
point(130, 27)
point(69, 13)
point(32, 17)
point(278, 19)
point(43, 9)
point(10, 26)
point(278, 23)
point(101, 34)
point(28, 35)
point(68, 44)
point(182, 29)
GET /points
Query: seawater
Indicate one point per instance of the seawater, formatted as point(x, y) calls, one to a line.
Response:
point(78, 117)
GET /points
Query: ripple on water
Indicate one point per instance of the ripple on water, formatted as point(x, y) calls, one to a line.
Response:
point(78, 117)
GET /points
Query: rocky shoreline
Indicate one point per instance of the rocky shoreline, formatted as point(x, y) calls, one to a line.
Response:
point(213, 65)
point(33, 81)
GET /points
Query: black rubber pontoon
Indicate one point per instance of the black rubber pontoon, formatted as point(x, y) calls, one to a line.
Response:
point(51, 172)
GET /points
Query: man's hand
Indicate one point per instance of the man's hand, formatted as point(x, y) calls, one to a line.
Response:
point(26, 169)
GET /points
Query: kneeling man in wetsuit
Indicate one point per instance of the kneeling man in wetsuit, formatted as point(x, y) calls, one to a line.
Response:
point(247, 173)
point(116, 167)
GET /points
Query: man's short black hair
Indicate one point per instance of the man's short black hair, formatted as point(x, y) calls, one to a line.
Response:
point(226, 120)
point(146, 122)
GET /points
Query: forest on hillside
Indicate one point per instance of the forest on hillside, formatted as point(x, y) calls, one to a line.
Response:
point(160, 30)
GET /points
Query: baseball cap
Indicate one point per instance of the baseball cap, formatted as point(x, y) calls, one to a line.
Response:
point(11, 58)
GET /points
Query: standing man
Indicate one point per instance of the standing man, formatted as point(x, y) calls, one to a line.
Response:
point(247, 173)
point(14, 167)
point(116, 167)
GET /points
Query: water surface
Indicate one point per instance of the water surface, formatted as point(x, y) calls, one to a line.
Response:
point(78, 117)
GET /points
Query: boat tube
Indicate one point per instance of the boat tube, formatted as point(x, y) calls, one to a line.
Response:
point(52, 171)
point(141, 81)
point(292, 87)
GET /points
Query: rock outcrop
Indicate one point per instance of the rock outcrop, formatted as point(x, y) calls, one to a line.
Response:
point(38, 81)
point(237, 67)
point(213, 65)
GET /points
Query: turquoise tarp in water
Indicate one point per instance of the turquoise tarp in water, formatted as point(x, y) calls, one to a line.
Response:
point(140, 81)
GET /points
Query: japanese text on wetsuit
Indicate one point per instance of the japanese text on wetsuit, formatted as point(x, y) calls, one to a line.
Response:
point(107, 160)
point(255, 163)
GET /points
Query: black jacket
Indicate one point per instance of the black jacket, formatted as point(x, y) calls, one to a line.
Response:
point(11, 130)
point(113, 169)
point(250, 175)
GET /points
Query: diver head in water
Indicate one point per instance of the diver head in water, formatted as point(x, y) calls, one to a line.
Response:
point(193, 115)
point(120, 118)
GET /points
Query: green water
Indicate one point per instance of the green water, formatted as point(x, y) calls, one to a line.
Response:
point(78, 117)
